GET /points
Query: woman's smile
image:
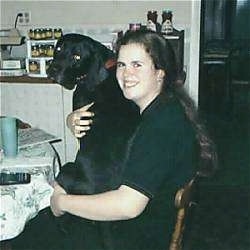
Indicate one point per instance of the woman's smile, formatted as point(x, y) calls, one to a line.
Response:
point(130, 83)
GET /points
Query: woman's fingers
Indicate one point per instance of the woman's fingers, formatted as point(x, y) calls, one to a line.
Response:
point(80, 120)
point(80, 129)
point(86, 107)
point(80, 134)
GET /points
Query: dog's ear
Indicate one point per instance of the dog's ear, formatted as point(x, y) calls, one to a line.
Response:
point(96, 73)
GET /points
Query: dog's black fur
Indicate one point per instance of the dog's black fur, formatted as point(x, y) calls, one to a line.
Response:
point(79, 61)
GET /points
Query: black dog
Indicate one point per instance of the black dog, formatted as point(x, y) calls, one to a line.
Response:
point(87, 64)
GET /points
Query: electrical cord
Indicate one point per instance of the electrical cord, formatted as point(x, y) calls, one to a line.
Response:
point(17, 16)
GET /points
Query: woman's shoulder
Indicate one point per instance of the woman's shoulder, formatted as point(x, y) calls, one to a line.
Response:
point(170, 105)
point(174, 116)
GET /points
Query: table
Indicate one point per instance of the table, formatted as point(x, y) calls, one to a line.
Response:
point(22, 202)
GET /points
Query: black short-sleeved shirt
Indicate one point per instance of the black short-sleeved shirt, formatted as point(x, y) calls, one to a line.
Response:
point(161, 158)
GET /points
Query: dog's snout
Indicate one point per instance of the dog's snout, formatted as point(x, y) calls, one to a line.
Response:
point(53, 69)
point(54, 66)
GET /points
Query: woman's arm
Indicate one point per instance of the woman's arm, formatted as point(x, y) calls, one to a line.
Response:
point(78, 126)
point(121, 204)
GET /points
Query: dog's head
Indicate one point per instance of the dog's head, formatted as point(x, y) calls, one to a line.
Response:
point(78, 58)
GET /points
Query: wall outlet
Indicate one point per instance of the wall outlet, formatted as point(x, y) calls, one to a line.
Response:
point(24, 17)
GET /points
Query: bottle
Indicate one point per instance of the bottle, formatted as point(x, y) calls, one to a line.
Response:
point(31, 34)
point(134, 26)
point(152, 23)
point(41, 50)
point(37, 34)
point(48, 33)
point(57, 33)
point(43, 34)
point(167, 26)
point(34, 51)
point(50, 50)
point(33, 66)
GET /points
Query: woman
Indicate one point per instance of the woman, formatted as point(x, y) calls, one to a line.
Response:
point(161, 155)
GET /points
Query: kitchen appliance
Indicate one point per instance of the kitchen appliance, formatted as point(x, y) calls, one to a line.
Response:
point(11, 37)
point(10, 66)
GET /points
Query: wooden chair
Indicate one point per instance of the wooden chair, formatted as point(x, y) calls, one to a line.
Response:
point(183, 201)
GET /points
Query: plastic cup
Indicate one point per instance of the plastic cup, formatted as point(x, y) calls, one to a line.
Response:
point(9, 136)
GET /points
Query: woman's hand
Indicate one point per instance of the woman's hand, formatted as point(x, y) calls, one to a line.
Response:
point(77, 126)
point(55, 200)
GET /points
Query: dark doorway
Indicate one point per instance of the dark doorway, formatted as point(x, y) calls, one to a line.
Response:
point(224, 44)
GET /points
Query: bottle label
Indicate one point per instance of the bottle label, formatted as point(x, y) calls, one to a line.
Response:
point(151, 25)
point(167, 27)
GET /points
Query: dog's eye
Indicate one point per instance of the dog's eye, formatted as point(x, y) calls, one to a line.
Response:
point(76, 57)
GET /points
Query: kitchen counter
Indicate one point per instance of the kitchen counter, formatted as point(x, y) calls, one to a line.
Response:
point(25, 79)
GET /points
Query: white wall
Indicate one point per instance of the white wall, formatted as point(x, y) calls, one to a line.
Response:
point(194, 52)
point(92, 12)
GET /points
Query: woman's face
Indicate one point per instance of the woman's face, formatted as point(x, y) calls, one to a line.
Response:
point(137, 76)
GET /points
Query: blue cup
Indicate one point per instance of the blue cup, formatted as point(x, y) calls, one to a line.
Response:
point(9, 136)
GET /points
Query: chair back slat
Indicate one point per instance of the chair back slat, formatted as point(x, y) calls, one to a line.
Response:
point(183, 201)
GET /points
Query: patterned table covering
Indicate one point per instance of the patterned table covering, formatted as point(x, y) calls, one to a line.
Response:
point(22, 202)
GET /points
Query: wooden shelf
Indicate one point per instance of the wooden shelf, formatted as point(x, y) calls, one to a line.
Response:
point(26, 79)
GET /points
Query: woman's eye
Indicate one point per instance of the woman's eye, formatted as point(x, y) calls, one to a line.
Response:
point(136, 65)
point(119, 64)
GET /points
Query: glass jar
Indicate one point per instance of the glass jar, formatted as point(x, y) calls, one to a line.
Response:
point(37, 34)
point(33, 66)
point(48, 33)
point(41, 50)
point(57, 33)
point(34, 51)
point(50, 50)
point(43, 34)
point(31, 34)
